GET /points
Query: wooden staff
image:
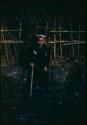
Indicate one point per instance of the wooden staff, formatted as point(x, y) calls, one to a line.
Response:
point(31, 85)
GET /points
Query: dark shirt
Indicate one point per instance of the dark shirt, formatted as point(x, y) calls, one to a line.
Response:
point(40, 56)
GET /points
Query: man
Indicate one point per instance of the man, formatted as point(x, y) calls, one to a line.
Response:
point(39, 57)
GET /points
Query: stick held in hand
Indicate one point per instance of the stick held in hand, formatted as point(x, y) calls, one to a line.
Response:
point(31, 85)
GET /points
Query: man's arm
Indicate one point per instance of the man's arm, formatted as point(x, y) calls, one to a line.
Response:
point(32, 57)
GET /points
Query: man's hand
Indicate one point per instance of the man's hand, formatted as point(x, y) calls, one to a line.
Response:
point(45, 68)
point(32, 64)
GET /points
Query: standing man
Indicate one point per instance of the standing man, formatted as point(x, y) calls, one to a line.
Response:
point(39, 57)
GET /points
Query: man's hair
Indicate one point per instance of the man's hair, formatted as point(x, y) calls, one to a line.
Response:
point(40, 36)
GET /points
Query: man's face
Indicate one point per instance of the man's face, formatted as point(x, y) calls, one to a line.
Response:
point(41, 41)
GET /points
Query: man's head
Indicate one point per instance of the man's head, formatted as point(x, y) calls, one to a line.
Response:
point(41, 40)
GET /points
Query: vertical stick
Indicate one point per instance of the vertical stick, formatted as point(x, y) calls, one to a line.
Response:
point(31, 85)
